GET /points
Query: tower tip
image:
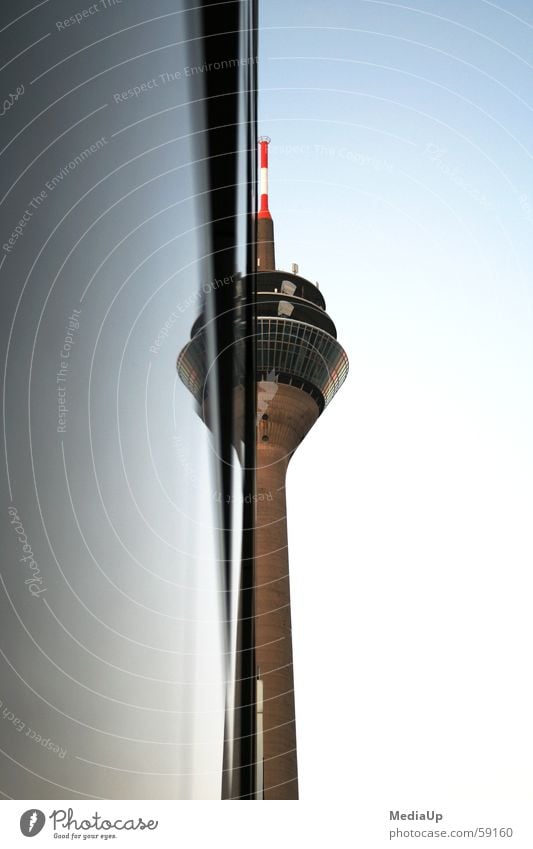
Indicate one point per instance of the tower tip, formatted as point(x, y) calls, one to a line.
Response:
point(265, 226)
point(264, 211)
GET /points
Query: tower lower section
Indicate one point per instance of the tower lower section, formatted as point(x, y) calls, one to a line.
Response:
point(285, 414)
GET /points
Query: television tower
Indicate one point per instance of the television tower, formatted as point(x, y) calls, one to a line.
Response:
point(300, 366)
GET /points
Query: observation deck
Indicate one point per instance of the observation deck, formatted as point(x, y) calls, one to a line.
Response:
point(296, 341)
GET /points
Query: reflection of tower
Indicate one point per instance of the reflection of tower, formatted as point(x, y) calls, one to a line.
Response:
point(300, 367)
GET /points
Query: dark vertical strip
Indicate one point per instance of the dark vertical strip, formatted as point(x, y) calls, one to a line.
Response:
point(229, 38)
point(220, 25)
point(244, 787)
point(220, 41)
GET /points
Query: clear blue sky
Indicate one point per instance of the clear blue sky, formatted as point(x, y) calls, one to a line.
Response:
point(401, 180)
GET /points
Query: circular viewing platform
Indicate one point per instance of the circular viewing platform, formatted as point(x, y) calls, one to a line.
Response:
point(296, 341)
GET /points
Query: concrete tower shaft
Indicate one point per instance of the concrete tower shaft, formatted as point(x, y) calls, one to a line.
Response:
point(285, 415)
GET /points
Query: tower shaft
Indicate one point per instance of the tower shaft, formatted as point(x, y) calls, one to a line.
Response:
point(285, 414)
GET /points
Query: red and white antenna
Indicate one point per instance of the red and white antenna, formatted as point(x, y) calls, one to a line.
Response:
point(266, 260)
point(264, 212)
